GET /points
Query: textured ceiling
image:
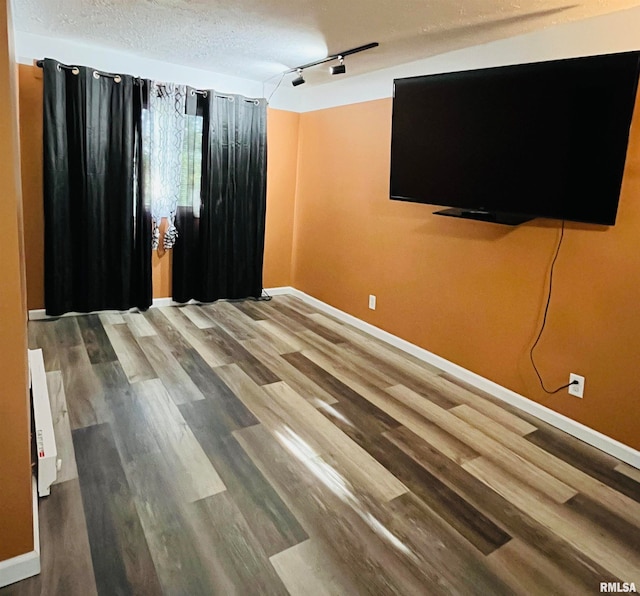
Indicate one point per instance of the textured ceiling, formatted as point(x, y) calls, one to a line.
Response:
point(257, 39)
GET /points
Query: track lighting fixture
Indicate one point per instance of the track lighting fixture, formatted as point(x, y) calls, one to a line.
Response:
point(339, 68)
point(299, 80)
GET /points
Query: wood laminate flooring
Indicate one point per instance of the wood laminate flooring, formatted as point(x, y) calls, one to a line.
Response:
point(266, 448)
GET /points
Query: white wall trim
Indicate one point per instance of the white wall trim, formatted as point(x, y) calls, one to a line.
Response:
point(158, 302)
point(26, 565)
point(281, 291)
point(576, 429)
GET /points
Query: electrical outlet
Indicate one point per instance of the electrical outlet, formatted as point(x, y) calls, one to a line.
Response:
point(372, 302)
point(578, 388)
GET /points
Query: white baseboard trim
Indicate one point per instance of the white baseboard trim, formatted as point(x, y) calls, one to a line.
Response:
point(27, 565)
point(584, 433)
point(158, 302)
point(281, 291)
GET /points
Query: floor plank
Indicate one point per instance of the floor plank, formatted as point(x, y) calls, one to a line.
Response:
point(369, 347)
point(590, 460)
point(527, 571)
point(197, 316)
point(621, 560)
point(176, 381)
point(489, 446)
point(61, 428)
point(86, 406)
point(514, 520)
point(481, 531)
point(382, 563)
point(42, 335)
point(111, 318)
point(132, 358)
point(321, 508)
point(233, 321)
point(272, 523)
point(347, 362)
point(307, 323)
point(302, 571)
point(297, 380)
point(281, 337)
point(138, 325)
point(181, 568)
point(119, 551)
point(187, 464)
point(617, 502)
point(327, 439)
point(628, 471)
point(130, 428)
point(239, 562)
point(210, 350)
point(97, 344)
point(248, 307)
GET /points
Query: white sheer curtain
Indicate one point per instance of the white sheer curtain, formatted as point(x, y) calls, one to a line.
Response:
point(163, 132)
point(192, 162)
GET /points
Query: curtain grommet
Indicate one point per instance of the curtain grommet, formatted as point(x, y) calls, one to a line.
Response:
point(75, 70)
point(96, 74)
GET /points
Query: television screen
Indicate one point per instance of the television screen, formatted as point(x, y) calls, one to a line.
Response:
point(541, 140)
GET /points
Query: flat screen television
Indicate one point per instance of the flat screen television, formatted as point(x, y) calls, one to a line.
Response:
point(512, 143)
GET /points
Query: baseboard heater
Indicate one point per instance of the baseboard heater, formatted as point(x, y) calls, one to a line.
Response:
point(47, 464)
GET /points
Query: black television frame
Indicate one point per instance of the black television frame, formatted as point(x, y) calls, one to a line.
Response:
point(628, 65)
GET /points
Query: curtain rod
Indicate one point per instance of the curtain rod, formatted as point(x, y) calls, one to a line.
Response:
point(76, 70)
point(116, 77)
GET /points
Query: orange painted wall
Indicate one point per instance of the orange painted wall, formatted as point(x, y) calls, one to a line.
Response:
point(16, 530)
point(469, 291)
point(281, 184)
point(282, 164)
point(161, 268)
point(30, 93)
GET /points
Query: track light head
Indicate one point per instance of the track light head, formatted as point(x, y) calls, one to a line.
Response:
point(339, 68)
point(299, 80)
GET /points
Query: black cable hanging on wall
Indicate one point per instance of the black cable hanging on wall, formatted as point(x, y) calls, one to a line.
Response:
point(544, 320)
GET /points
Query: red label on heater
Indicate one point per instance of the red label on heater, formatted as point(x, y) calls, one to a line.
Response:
point(40, 443)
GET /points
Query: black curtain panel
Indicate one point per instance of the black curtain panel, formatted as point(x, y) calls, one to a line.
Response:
point(97, 234)
point(220, 250)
